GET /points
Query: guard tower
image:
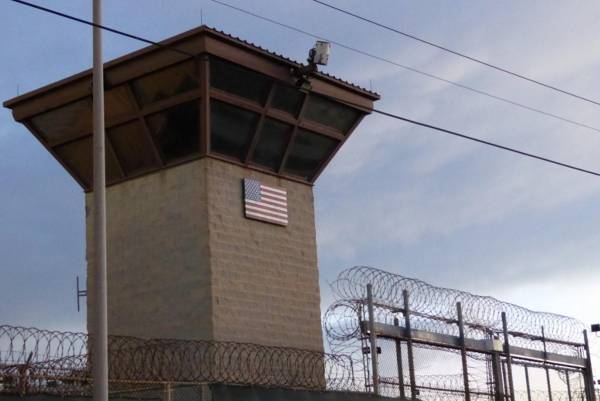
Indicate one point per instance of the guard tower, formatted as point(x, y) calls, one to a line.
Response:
point(210, 165)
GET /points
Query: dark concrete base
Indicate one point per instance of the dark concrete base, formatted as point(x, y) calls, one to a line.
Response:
point(221, 392)
point(245, 393)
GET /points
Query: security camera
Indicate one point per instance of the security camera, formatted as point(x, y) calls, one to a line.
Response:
point(596, 328)
point(319, 55)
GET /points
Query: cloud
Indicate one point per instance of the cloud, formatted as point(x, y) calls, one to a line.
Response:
point(484, 191)
point(439, 206)
point(422, 185)
point(378, 135)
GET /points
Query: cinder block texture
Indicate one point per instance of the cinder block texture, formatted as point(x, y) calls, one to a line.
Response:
point(264, 276)
point(158, 256)
point(185, 263)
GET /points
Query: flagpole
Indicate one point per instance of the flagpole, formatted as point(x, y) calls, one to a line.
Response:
point(99, 307)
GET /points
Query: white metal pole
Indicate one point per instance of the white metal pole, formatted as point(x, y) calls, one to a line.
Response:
point(100, 333)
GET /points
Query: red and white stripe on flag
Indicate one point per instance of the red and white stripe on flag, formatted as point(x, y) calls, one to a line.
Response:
point(265, 203)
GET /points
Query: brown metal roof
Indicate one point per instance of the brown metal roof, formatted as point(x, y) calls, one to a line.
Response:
point(214, 96)
point(172, 42)
point(296, 63)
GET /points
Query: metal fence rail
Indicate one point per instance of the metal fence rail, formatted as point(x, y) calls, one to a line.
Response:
point(400, 331)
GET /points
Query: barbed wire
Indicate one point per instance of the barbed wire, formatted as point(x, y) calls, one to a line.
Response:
point(19, 344)
point(42, 361)
point(434, 308)
point(35, 360)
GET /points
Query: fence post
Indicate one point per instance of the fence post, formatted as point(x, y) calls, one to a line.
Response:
point(206, 393)
point(527, 383)
point(511, 387)
point(505, 380)
point(497, 374)
point(463, 350)
point(589, 376)
point(23, 380)
point(568, 385)
point(399, 362)
point(546, 366)
point(168, 392)
point(373, 339)
point(409, 346)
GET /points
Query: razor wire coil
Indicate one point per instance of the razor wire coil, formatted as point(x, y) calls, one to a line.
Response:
point(39, 357)
point(434, 308)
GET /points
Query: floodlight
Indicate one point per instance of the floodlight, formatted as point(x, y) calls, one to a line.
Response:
point(596, 328)
point(319, 54)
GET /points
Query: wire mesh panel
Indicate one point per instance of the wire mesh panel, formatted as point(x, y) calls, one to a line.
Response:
point(481, 381)
point(438, 373)
point(538, 381)
point(392, 362)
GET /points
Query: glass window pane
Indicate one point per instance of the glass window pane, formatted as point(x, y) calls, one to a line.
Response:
point(65, 123)
point(113, 172)
point(238, 80)
point(133, 148)
point(231, 129)
point(272, 141)
point(119, 102)
point(308, 152)
point(78, 157)
point(288, 99)
point(176, 131)
point(165, 83)
point(330, 113)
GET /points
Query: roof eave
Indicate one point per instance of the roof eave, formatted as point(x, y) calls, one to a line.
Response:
point(202, 30)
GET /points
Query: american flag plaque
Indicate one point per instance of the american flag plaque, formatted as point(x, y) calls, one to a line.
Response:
point(265, 203)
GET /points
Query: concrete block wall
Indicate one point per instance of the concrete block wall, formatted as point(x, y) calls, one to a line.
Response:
point(265, 277)
point(158, 256)
point(185, 263)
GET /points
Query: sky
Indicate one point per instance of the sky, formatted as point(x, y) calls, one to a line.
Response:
point(399, 197)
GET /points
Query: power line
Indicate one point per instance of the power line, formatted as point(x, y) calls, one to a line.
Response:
point(457, 53)
point(377, 111)
point(350, 48)
point(417, 71)
point(469, 137)
point(483, 141)
point(104, 27)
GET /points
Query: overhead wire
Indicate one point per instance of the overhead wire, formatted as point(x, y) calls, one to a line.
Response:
point(467, 137)
point(408, 68)
point(374, 110)
point(485, 142)
point(342, 45)
point(457, 53)
point(104, 27)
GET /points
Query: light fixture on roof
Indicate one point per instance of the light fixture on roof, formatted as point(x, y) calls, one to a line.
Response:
point(318, 55)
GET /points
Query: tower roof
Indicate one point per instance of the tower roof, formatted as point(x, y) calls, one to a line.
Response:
point(202, 93)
